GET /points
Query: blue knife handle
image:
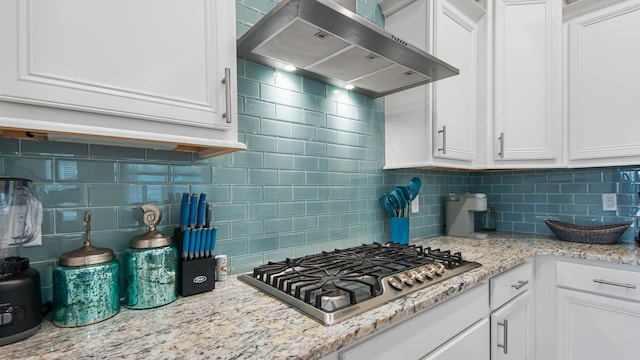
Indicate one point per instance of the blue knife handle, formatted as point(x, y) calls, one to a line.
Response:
point(202, 206)
point(209, 216)
point(203, 242)
point(184, 211)
point(198, 243)
point(192, 244)
point(186, 237)
point(213, 239)
point(207, 246)
point(193, 211)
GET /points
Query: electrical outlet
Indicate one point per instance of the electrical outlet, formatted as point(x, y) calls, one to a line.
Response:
point(415, 205)
point(609, 202)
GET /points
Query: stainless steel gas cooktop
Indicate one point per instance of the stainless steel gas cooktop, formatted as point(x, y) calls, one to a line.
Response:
point(336, 285)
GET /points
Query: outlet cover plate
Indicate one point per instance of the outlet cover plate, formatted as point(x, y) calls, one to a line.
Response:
point(415, 205)
point(609, 202)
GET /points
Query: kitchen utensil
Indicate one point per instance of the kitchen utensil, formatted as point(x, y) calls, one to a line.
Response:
point(184, 211)
point(20, 216)
point(202, 207)
point(86, 284)
point(151, 266)
point(414, 187)
point(384, 200)
point(212, 234)
point(209, 215)
point(186, 243)
point(193, 210)
point(20, 300)
point(192, 244)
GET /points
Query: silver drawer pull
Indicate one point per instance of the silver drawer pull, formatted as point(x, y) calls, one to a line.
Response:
point(520, 284)
point(505, 331)
point(607, 282)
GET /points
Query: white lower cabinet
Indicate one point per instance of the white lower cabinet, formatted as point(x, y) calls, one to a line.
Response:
point(469, 344)
point(593, 327)
point(597, 311)
point(455, 329)
point(512, 329)
point(512, 319)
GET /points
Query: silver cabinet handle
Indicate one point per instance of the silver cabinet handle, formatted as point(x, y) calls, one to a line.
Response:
point(444, 139)
point(607, 282)
point(520, 284)
point(227, 91)
point(501, 138)
point(505, 331)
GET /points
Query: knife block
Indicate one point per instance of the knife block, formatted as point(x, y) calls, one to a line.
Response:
point(194, 276)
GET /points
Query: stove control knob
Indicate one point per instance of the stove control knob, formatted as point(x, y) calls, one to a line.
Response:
point(406, 279)
point(415, 275)
point(430, 271)
point(422, 273)
point(439, 268)
point(396, 283)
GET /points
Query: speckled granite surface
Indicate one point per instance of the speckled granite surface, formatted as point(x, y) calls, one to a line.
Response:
point(236, 321)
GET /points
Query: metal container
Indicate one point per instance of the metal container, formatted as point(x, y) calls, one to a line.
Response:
point(86, 285)
point(151, 266)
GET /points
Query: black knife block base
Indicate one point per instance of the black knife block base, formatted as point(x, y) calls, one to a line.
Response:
point(194, 276)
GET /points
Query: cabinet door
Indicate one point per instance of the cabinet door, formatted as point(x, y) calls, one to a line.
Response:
point(435, 124)
point(596, 327)
point(512, 329)
point(603, 86)
point(473, 343)
point(160, 61)
point(455, 40)
point(527, 108)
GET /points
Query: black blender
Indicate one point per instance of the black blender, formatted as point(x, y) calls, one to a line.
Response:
point(20, 295)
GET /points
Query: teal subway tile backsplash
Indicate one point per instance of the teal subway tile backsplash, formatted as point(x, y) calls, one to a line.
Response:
point(309, 181)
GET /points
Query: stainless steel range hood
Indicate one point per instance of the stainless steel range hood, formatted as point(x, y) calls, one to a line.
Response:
point(326, 41)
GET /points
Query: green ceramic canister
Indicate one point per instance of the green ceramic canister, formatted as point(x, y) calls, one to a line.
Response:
point(151, 266)
point(86, 285)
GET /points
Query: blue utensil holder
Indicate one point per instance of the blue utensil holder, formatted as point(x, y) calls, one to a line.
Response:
point(400, 230)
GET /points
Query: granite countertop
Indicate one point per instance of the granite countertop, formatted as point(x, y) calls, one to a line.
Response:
point(236, 321)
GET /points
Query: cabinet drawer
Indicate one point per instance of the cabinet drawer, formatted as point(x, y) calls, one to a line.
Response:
point(506, 286)
point(424, 332)
point(618, 283)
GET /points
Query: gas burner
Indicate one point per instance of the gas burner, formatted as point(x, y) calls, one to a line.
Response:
point(334, 285)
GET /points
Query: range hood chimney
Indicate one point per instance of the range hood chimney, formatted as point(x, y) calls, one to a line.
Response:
point(327, 41)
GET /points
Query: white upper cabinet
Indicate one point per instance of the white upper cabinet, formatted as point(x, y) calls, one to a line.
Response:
point(603, 86)
point(436, 124)
point(526, 87)
point(138, 70)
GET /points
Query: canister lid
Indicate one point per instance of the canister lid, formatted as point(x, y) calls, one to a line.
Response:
point(87, 254)
point(152, 239)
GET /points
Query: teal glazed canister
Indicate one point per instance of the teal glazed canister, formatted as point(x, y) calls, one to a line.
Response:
point(151, 266)
point(86, 285)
